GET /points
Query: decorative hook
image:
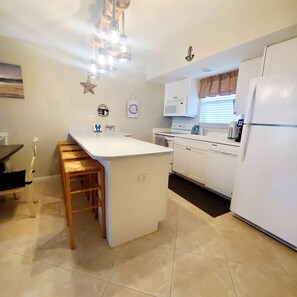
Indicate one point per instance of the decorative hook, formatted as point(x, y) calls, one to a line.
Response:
point(190, 56)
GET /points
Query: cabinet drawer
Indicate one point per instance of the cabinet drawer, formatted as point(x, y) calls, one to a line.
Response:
point(191, 143)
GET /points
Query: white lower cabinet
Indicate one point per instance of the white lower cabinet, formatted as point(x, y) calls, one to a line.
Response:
point(189, 159)
point(214, 168)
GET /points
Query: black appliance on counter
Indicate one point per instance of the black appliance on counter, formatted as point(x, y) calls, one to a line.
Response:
point(240, 126)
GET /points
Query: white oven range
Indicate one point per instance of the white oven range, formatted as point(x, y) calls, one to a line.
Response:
point(165, 137)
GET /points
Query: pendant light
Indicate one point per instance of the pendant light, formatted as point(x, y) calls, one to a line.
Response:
point(109, 45)
point(125, 54)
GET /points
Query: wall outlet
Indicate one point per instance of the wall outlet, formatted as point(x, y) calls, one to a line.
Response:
point(142, 177)
point(92, 118)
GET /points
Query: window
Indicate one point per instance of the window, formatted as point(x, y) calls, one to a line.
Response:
point(217, 110)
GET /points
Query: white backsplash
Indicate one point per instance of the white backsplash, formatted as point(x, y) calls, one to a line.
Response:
point(221, 132)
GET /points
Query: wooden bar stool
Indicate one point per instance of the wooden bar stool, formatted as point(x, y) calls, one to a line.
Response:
point(70, 156)
point(87, 170)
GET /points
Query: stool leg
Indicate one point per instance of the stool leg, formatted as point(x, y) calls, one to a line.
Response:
point(69, 210)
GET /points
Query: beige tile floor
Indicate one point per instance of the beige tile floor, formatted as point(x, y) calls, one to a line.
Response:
point(192, 255)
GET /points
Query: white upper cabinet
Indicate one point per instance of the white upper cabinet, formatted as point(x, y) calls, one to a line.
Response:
point(181, 98)
point(247, 70)
point(281, 58)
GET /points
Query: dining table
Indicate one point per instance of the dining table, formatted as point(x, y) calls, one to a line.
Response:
point(6, 151)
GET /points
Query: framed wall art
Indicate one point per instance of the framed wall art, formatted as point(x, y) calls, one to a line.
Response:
point(11, 81)
point(132, 108)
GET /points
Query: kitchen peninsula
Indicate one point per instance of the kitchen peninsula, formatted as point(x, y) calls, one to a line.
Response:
point(136, 178)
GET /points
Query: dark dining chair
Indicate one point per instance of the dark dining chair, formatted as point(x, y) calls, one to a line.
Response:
point(22, 181)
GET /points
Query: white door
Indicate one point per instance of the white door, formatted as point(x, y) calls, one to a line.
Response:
point(281, 57)
point(247, 70)
point(265, 190)
point(180, 159)
point(273, 100)
point(197, 164)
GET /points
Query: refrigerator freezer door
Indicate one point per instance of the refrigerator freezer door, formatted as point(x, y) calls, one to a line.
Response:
point(274, 100)
point(265, 190)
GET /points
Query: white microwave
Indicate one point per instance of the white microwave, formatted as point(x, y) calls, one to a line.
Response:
point(181, 98)
point(175, 108)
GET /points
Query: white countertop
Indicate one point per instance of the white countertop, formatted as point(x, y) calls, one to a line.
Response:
point(212, 137)
point(114, 144)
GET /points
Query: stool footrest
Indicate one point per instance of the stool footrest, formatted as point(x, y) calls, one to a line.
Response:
point(85, 190)
point(85, 208)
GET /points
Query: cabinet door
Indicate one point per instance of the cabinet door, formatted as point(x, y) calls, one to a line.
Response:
point(281, 58)
point(177, 90)
point(197, 164)
point(180, 159)
point(247, 70)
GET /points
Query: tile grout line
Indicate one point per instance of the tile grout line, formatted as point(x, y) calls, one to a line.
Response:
point(130, 288)
point(228, 264)
point(271, 249)
point(173, 262)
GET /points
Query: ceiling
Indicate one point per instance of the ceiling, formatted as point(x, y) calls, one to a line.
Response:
point(153, 27)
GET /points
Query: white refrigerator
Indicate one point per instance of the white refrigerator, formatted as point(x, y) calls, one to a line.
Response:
point(265, 190)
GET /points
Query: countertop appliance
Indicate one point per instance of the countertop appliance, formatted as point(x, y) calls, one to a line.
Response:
point(232, 130)
point(239, 126)
point(181, 98)
point(265, 190)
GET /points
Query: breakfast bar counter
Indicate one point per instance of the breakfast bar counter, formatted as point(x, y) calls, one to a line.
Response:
point(136, 179)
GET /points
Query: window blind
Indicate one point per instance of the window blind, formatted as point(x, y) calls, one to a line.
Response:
point(217, 110)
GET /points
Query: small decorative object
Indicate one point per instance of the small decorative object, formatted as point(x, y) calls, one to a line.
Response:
point(190, 56)
point(88, 86)
point(103, 110)
point(110, 128)
point(132, 107)
point(195, 130)
point(11, 81)
point(97, 128)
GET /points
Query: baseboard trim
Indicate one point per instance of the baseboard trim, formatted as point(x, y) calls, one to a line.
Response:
point(45, 178)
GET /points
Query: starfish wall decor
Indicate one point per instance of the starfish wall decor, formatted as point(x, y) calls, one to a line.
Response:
point(88, 86)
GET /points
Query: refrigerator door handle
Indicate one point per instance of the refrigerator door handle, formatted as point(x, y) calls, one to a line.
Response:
point(251, 101)
point(248, 122)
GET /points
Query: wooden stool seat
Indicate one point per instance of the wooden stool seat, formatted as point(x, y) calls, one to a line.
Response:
point(70, 148)
point(70, 156)
point(82, 166)
point(66, 143)
point(74, 155)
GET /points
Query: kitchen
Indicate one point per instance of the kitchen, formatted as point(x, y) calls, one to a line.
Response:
point(54, 102)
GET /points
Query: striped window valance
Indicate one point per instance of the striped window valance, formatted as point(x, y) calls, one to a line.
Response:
point(219, 85)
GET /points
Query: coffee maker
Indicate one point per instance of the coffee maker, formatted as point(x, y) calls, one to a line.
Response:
point(239, 126)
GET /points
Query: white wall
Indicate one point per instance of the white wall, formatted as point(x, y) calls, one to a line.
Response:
point(210, 27)
point(54, 100)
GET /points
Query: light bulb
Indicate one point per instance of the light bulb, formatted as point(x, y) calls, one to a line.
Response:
point(93, 68)
point(110, 60)
point(123, 48)
point(114, 36)
point(101, 59)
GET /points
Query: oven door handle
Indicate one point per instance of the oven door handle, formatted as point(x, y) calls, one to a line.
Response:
point(168, 138)
point(169, 142)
